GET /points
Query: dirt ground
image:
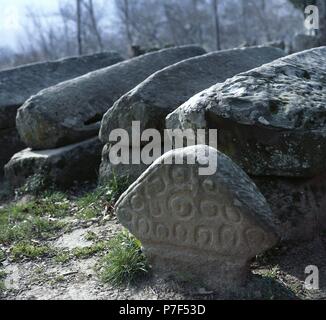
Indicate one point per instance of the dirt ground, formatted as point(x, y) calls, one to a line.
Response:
point(279, 274)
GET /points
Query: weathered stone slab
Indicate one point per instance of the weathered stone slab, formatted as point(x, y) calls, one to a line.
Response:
point(72, 111)
point(203, 227)
point(123, 171)
point(10, 143)
point(62, 166)
point(160, 94)
point(298, 204)
point(271, 120)
point(130, 172)
point(303, 42)
point(18, 84)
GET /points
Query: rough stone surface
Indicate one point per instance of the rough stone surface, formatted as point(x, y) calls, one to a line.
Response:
point(10, 143)
point(108, 170)
point(165, 90)
point(303, 42)
point(271, 120)
point(130, 172)
point(206, 228)
point(19, 84)
point(72, 111)
point(62, 166)
point(160, 94)
point(298, 204)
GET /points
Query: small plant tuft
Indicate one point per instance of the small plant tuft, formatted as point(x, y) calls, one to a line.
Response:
point(125, 262)
point(35, 185)
point(2, 277)
point(33, 220)
point(30, 251)
point(2, 256)
point(87, 252)
point(62, 257)
point(94, 203)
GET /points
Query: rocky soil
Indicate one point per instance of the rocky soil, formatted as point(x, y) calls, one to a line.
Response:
point(73, 272)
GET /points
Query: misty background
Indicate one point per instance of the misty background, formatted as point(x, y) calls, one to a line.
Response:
point(35, 30)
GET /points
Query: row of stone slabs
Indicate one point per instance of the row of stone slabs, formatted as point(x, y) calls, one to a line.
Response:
point(210, 227)
point(56, 116)
point(287, 171)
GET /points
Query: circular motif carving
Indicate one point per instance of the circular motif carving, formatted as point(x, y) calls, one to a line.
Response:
point(227, 237)
point(203, 237)
point(182, 206)
point(137, 203)
point(162, 232)
point(155, 208)
point(156, 186)
point(209, 208)
point(180, 233)
point(209, 185)
point(232, 214)
point(143, 227)
point(179, 175)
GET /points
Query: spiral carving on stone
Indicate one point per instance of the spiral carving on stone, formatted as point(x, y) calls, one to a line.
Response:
point(182, 206)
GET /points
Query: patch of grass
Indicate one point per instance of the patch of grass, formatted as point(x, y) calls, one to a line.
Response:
point(29, 251)
point(2, 256)
point(53, 204)
point(91, 236)
point(36, 219)
point(125, 262)
point(35, 185)
point(2, 277)
point(28, 229)
point(270, 288)
point(92, 204)
point(272, 273)
point(115, 187)
point(2, 286)
point(91, 198)
point(2, 274)
point(89, 213)
point(81, 253)
point(87, 252)
point(296, 288)
point(62, 257)
point(57, 279)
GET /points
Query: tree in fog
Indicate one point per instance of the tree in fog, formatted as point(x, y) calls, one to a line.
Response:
point(88, 26)
point(79, 26)
point(217, 23)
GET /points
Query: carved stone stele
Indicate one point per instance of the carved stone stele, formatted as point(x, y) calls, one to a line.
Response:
point(206, 228)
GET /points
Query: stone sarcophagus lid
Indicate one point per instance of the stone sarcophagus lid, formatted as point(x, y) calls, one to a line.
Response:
point(206, 227)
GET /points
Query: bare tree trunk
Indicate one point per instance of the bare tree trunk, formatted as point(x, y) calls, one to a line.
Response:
point(171, 24)
point(261, 14)
point(66, 34)
point(197, 22)
point(217, 24)
point(90, 8)
point(244, 17)
point(127, 22)
point(79, 27)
